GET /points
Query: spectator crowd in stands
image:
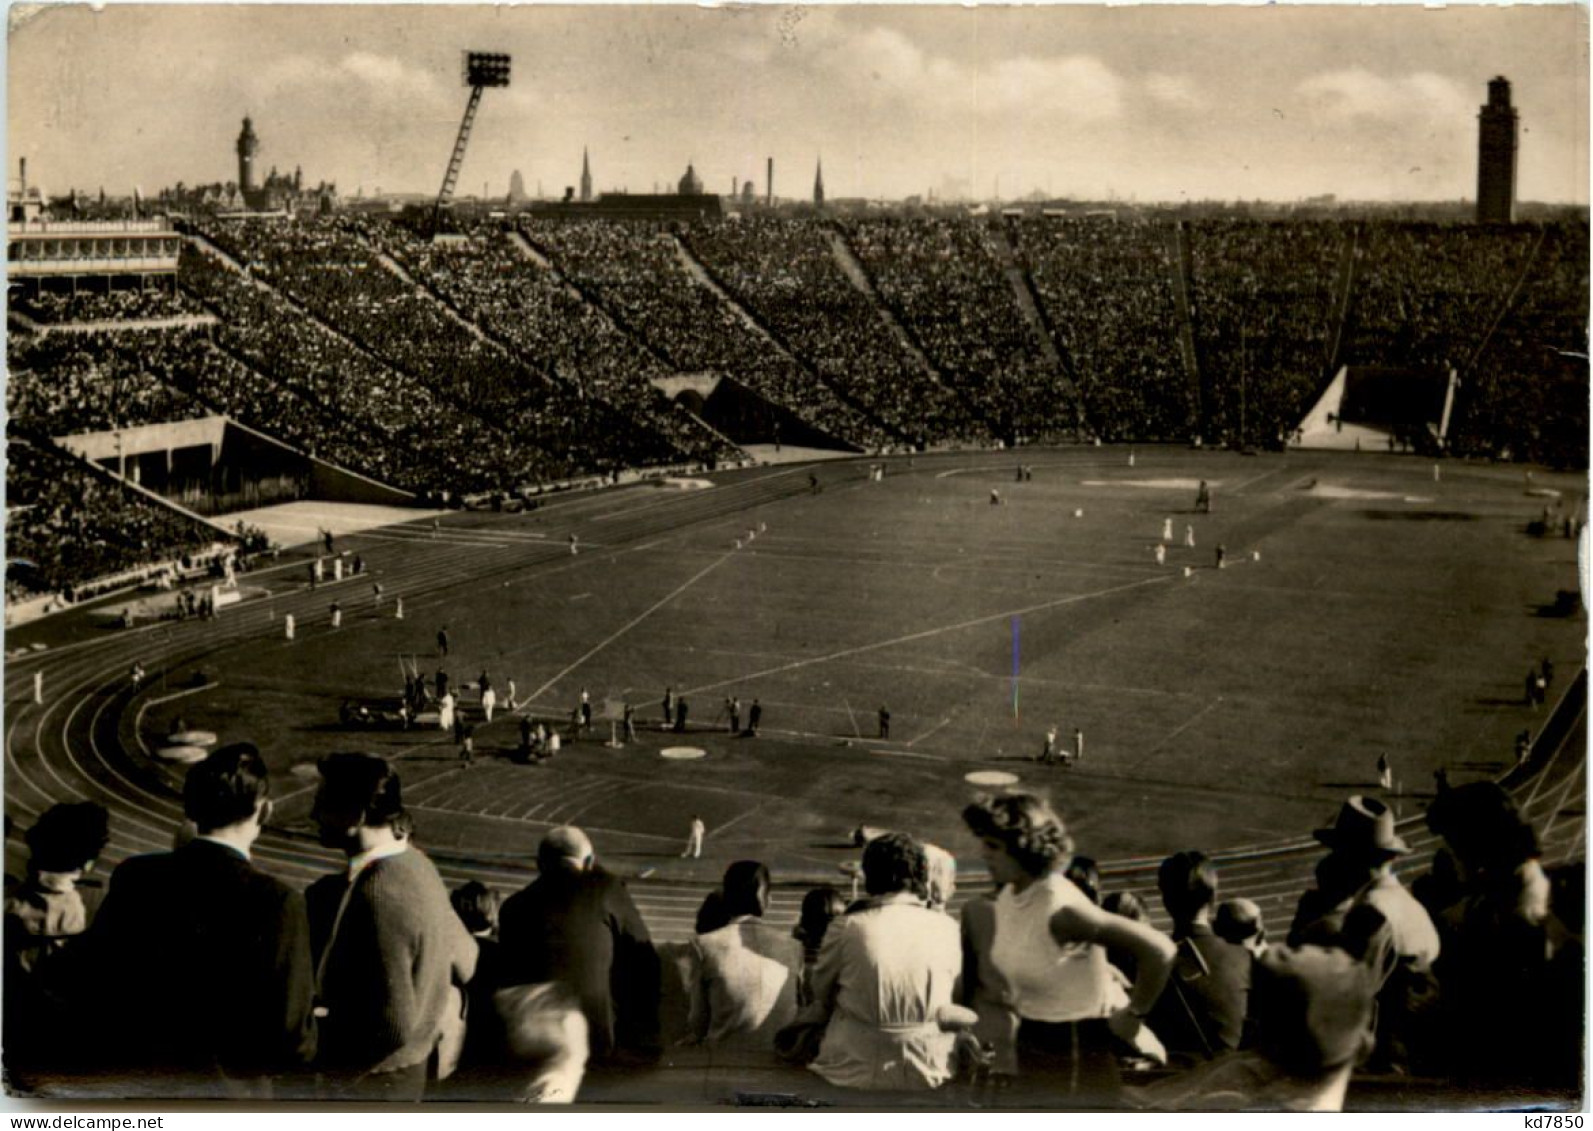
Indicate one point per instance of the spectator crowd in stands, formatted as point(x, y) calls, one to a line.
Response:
point(496, 286)
point(786, 272)
point(53, 307)
point(336, 270)
point(636, 274)
point(377, 984)
point(67, 526)
point(1263, 304)
point(1108, 292)
point(945, 282)
point(526, 355)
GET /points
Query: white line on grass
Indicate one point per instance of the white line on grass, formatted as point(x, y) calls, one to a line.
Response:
point(633, 622)
point(1195, 718)
point(908, 754)
point(855, 728)
point(1256, 479)
point(929, 632)
point(932, 730)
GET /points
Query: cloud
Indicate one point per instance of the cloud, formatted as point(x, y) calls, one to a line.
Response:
point(1357, 95)
point(361, 76)
point(1175, 92)
point(1078, 88)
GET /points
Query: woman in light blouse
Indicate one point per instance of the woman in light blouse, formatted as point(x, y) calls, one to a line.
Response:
point(1049, 948)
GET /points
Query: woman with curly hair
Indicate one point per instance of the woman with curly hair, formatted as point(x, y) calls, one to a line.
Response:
point(1049, 949)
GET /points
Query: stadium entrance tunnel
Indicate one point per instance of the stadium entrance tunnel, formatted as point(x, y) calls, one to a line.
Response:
point(743, 415)
point(691, 401)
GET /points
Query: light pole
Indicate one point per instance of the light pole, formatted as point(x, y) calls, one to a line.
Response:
point(481, 70)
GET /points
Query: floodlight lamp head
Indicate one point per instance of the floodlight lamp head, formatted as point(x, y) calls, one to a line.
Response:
point(484, 68)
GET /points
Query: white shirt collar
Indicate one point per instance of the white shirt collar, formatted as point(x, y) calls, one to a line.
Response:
point(358, 864)
point(229, 846)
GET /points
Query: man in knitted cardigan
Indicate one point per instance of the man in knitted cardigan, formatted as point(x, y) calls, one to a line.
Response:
point(389, 949)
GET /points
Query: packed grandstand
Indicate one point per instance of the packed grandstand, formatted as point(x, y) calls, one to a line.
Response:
point(528, 352)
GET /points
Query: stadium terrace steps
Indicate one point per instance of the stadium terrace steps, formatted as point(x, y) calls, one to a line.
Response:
point(847, 260)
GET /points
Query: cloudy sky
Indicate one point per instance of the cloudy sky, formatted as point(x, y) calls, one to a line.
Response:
point(1146, 103)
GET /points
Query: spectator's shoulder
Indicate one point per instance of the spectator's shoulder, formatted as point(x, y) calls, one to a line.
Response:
point(148, 868)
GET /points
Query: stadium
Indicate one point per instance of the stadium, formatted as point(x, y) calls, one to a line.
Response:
point(765, 531)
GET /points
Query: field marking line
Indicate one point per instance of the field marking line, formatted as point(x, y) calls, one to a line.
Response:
point(973, 470)
point(1193, 719)
point(632, 623)
point(856, 730)
point(909, 754)
point(943, 722)
point(735, 820)
point(1234, 490)
point(544, 824)
point(155, 701)
point(929, 632)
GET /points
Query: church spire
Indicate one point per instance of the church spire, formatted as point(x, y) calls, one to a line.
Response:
point(818, 184)
point(586, 176)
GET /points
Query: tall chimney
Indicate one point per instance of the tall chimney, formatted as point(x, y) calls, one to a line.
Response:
point(769, 197)
point(24, 163)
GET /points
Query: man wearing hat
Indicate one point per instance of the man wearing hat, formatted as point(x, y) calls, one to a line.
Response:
point(577, 925)
point(1362, 847)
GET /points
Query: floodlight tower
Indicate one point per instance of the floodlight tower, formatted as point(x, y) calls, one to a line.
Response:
point(481, 70)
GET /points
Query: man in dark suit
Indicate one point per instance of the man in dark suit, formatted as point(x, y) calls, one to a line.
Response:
point(1201, 1013)
point(576, 925)
point(204, 960)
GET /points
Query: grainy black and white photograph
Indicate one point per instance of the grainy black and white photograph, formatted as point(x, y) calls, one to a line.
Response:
point(838, 558)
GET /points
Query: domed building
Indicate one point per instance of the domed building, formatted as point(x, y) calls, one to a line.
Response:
point(691, 183)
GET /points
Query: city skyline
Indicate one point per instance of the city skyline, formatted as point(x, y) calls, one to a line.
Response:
point(1148, 104)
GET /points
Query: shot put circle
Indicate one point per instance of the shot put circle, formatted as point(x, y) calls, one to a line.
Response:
point(185, 755)
point(990, 778)
point(682, 753)
point(194, 738)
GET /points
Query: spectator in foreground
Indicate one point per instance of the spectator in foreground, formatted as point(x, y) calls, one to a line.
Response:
point(577, 925)
point(1498, 940)
point(820, 907)
point(389, 949)
point(984, 990)
point(44, 913)
point(222, 987)
point(546, 1039)
point(744, 990)
point(1239, 921)
point(1202, 1012)
point(885, 968)
point(942, 877)
point(1314, 1011)
point(477, 906)
point(1050, 948)
point(1129, 906)
point(1362, 846)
